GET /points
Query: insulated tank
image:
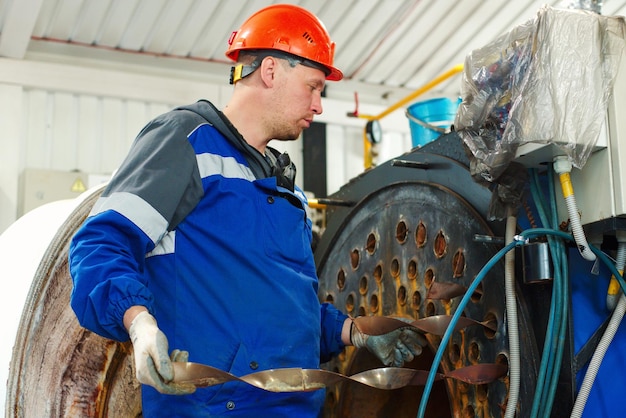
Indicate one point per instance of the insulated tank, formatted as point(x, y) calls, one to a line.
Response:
point(56, 368)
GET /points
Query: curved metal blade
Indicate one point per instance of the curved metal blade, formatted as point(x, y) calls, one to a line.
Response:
point(292, 379)
point(378, 325)
point(445, 290)
point(200, 375)
point(479, 374)
point(393, 377)
point(437, 324)
point(303, 380)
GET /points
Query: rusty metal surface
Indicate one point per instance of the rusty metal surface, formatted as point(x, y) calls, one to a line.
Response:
point(59, 369)
point(389, 251)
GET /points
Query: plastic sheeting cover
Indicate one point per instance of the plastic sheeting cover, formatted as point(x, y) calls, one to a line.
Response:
point(546, 81)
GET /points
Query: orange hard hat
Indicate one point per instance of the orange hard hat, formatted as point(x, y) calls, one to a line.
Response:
point(287, 28)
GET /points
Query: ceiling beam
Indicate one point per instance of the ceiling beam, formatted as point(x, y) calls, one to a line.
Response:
point(18, 27)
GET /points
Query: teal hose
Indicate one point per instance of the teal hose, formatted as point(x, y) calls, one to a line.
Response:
point(556, 330)
point(523, 236)
point(455, 318)
point(561, 333)
point(559, 337)
point(545, 358)
point(545, 364)
point(538, 197)
point(561, 281)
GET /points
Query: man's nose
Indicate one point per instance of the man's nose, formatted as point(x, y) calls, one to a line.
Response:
point(316, 105)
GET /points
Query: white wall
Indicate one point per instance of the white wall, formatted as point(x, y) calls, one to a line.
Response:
point(11, 145)
point(61, 116)
point(64, 130)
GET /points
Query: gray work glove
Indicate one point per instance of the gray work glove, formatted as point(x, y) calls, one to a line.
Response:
point(393, 348)
point(153, 365)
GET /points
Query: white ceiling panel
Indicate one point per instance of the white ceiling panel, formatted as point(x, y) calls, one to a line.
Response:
point(386, 48)
point(215, 29)
point(142, 24)
point(16, 25)
point(87, 25)
point(432, 40)
point(198, 16)
point(172, 16)
point(115, 22)
point(396, 46)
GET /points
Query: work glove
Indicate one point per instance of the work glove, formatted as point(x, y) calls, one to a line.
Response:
point(393, 348)
point(152, 364)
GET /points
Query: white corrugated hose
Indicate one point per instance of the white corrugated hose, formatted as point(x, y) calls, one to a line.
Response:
point(511, 316)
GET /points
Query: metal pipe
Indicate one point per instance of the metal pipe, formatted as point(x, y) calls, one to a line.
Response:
point(453, 71)
point(367, 147)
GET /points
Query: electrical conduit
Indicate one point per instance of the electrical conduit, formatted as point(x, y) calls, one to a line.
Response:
point(613, 293)
point(511, 315)
point(603, 345)
point(562, 166)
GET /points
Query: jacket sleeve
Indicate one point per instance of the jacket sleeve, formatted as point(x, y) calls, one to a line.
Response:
point(332, 324)
point(155, 187)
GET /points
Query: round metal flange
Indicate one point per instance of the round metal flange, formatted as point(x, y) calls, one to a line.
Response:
point(59, 368)
point(390, 250)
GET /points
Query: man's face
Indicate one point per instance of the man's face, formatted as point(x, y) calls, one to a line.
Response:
point(298, 98)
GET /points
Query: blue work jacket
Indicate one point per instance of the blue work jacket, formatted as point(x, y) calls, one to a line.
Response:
point(221, 256)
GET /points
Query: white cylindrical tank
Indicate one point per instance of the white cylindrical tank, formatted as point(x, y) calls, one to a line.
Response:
point(22, 247)
point(49, 364)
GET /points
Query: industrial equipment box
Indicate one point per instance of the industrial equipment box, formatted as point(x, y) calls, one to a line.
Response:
point(40, 186)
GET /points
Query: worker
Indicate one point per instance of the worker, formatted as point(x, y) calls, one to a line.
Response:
point(200, 241)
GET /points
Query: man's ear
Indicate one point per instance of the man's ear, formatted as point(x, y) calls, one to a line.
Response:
point(267, 70)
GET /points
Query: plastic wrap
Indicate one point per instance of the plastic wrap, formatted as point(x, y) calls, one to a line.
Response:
point(546, 81)
point(591, 5)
